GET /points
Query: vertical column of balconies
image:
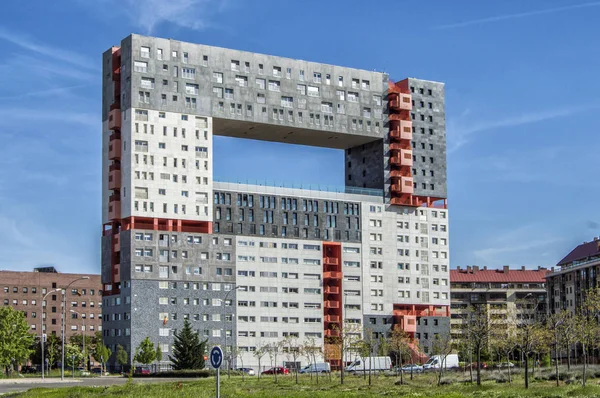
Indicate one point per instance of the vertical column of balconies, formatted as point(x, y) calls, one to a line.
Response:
point(114, 173)
point(332, 301)
point(401, 157)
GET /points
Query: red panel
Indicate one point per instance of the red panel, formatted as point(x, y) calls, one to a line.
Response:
point(332, 297)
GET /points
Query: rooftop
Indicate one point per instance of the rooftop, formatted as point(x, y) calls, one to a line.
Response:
point(502, 275)
point(584, 252)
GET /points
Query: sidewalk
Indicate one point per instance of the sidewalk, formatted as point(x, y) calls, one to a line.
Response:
point(38, 380)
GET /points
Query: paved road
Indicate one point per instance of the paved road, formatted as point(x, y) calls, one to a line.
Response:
point(21, 385)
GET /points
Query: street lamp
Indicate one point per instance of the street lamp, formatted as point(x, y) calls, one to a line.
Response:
point(62, 362)
point(227, 354)
point(42, 327)
point(82, 337)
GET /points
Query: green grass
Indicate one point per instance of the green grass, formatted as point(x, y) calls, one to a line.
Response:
point(355, 386)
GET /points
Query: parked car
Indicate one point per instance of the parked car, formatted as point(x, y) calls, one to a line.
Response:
point(280, 370)
point(413, 367)
point(373, 363)
point(29, 369)
point(449, 361)
point(248, 371)
point(504, 365)
point(482, 365)
point(319, 367)
point(142, 370)
point(96, 371)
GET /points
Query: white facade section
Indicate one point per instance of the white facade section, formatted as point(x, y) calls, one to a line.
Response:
point(166, 165)
point(280, 293)
point(406, 257)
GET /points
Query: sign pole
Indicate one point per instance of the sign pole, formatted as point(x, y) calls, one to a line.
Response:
point(218, 383)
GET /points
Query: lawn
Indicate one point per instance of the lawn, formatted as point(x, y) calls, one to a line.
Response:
point(355, 386)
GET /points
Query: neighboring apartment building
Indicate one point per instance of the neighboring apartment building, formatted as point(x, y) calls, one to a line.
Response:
point(573, 275)
point(24, 292)
point(249, 265)
point(504, 291)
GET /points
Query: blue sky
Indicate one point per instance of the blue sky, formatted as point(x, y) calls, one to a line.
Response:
point(521, 97)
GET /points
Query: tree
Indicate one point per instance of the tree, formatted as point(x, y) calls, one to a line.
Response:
point(73, 355)
point(478, 329)
point(15, 339)
point(366, 347)
point(586, 326)
point(159, 355)
point(292, 347)
point(273, 350)
point(442, 346)
point(311, 349)
point(122, 357)
point(347, 339)
point(259, 353)
point(145, 352)
point(505, 344)
point(53, 349)
point(101, 354)
point(188, 349)
point(398, 345)
point(530, 333)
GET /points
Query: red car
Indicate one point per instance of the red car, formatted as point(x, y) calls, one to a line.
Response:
point(280, 370)
point(482, 365)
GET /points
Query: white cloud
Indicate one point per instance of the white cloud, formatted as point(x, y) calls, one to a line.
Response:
point(505, 17)
point(191, 14)
point(460, 131)
point(27, 43)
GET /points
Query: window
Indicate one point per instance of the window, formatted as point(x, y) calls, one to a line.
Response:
point(235, 65)
point(352, 96)
point(313, 91)
point(317, 77)
point(145, 52)
point(188, 73)
point(277, 71)
point(274, 85)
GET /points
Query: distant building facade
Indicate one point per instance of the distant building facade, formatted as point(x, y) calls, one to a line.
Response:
point(502, 290)
point(573, 275)
point(24, 291)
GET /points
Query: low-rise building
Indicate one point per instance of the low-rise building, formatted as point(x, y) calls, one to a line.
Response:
point(504, 291)
point(24, 291)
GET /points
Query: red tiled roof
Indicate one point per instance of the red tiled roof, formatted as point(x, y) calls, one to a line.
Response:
point(499, 276)
point(582, 252)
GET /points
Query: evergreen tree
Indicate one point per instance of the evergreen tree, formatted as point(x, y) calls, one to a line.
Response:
point(188, 349)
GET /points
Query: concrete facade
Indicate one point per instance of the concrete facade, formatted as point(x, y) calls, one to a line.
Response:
point(258, 263)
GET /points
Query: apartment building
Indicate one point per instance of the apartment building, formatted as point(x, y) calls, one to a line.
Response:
point(24, 291)
point(573, 276)
point(248, 264)
point(510, 295)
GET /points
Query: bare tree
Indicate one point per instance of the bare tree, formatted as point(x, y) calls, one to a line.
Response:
point(479, 328)
point(442, 346)
point(398, 344)
point(237, 353)
point(273, 350)
point(366, 347)
point(311, 349)
point(291, 347)
point(259, 353)
point(586, 326)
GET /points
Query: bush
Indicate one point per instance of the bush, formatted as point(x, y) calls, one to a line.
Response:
point(182, 373)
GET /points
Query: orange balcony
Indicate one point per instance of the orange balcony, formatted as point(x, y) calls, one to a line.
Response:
point(332, 290)
point(332, 275)
point(331, 304)
point(404, 158)
point(114, 119)
point(331, 260)
point(117, 242)
point(332, 318)
point(114, 179)
point(405, 185)
point(114, 207)
point(114, 148)
point(405, 102)
point(332, 333)
point(408, 323)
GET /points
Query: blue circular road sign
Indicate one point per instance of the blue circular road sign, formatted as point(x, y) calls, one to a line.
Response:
point(216, 357)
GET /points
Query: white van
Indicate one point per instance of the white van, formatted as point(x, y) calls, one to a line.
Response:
point(320, 367)
point(373, 363)
point(449, 362)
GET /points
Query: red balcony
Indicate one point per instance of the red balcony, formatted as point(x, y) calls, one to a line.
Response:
point(331, 304)
point(114, 148)
point(396, 174)
point(114, 119)
point(405, 185)
point(117, 242)
point(331, 260)
point(116, 268)
point(408, 323)
point(405, 102)
point(332, 318)
point(332, 333)
point(332, 290)
point(401, 129)
point(114, 179)
point(332, 275)
point(404, 158)
point(114, 207)
point(116, 74)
